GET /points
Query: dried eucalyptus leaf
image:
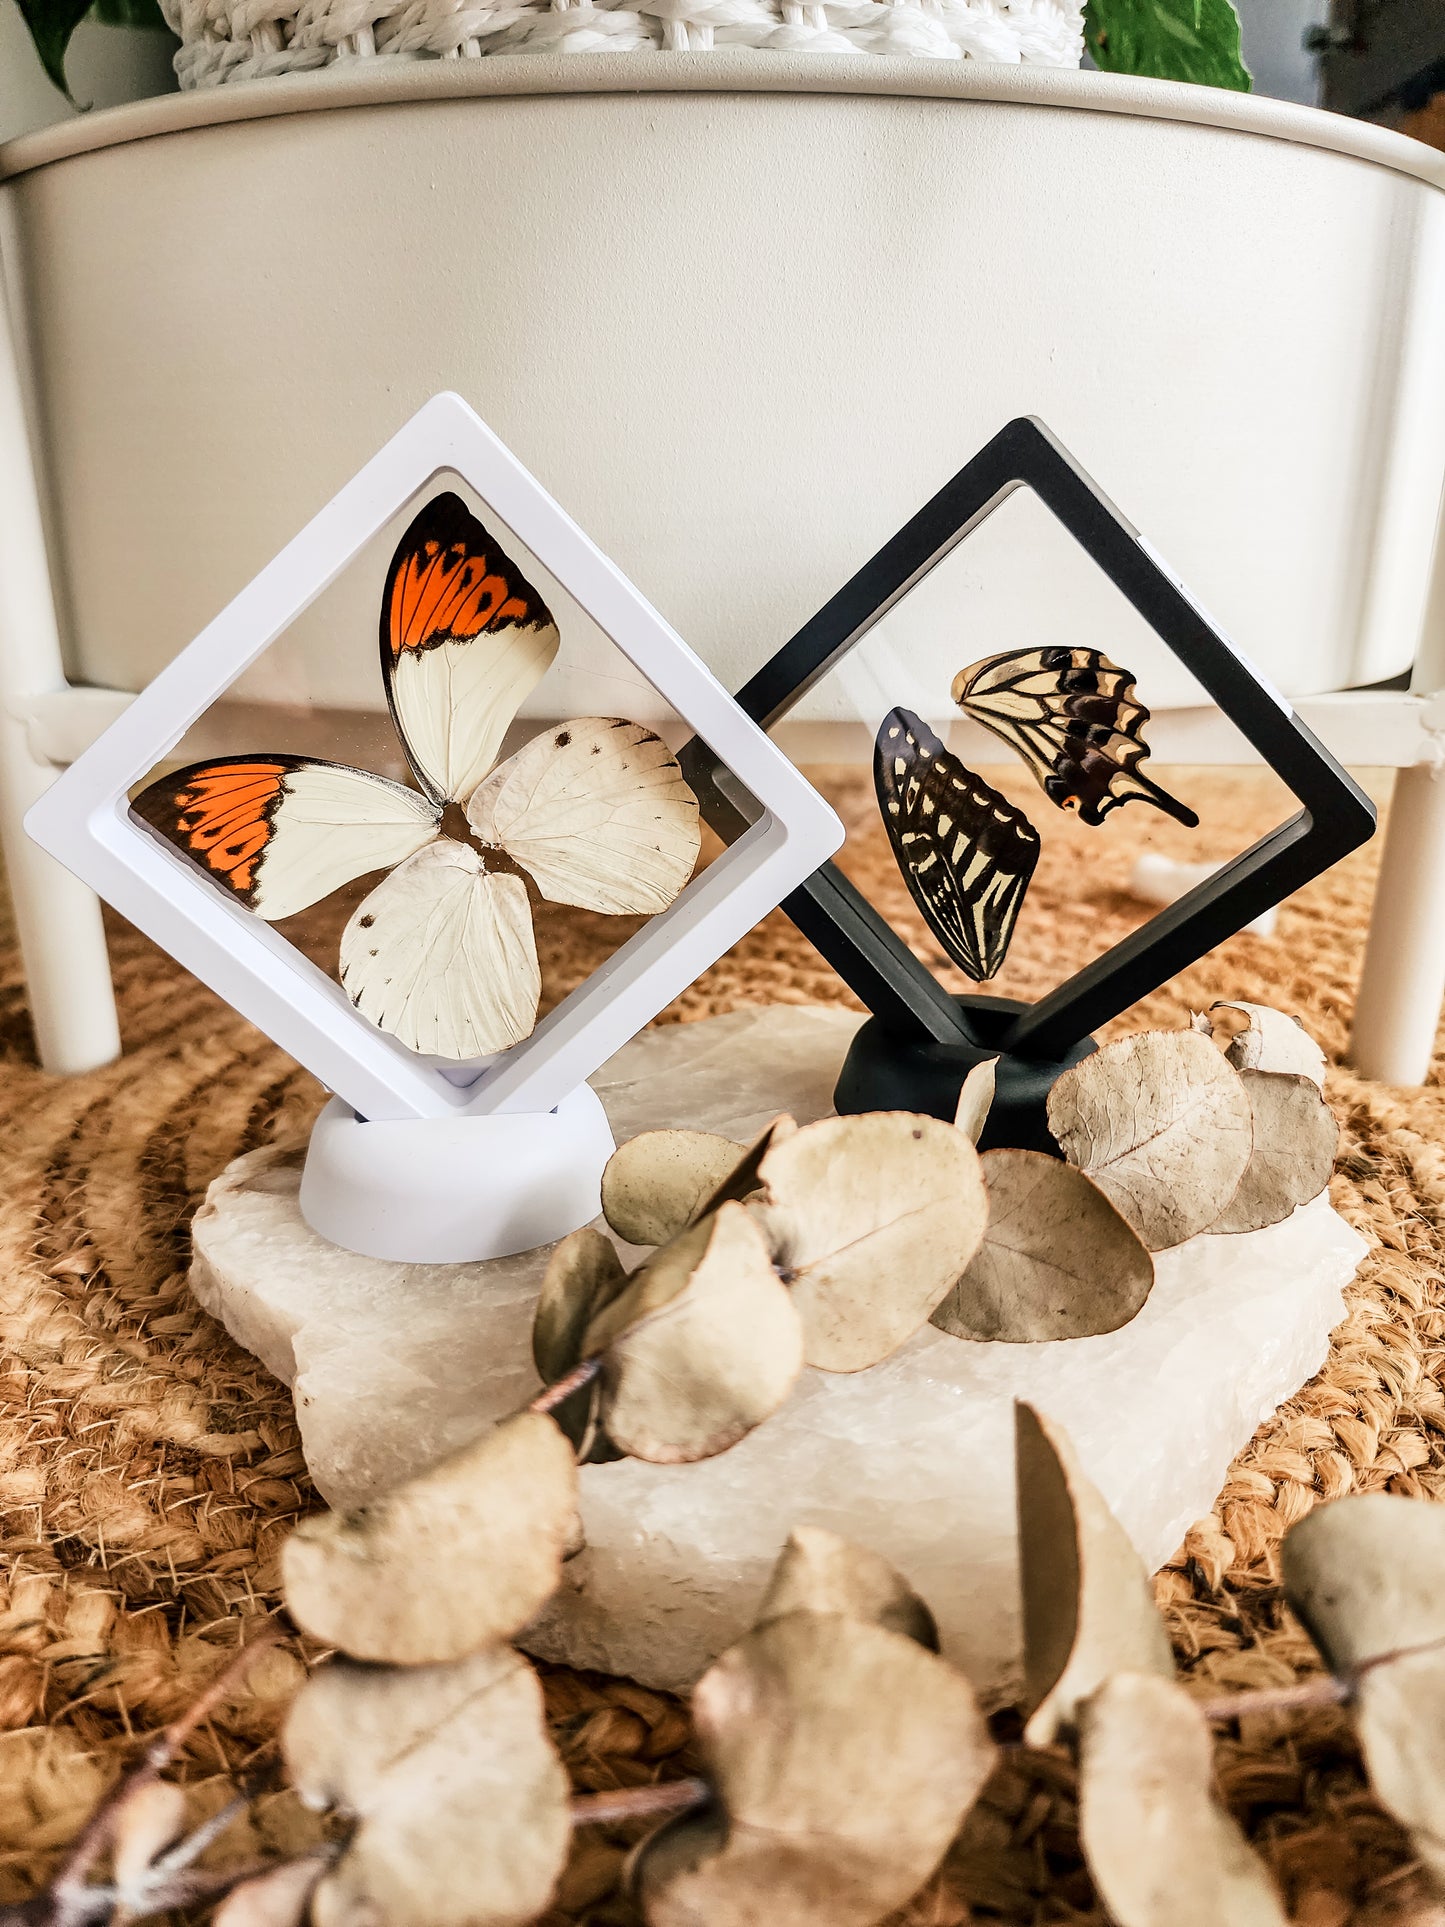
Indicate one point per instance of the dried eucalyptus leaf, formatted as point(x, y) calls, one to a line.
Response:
point(703, 1345)
point(462, 1801)
point(1273, 1041)
point(976, 1099)
point(1295, 1139)
point(151, 1818)
point(583, 1275)
point(843, 1757)
point(1161, 1850)
point(1367, 1577)
point(819, 1572)
point(1162, 1125)
point(278, 1898)
point(872, 1220)
point(1057, 1260)
point(451, 1561)
point(742, 1181)
point(654, 1185)
point(1088, 1607)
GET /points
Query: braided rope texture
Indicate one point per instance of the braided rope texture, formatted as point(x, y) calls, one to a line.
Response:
point(226, 40)
point(149, 1469)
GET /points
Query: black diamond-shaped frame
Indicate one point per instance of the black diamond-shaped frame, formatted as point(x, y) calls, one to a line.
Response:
point(1335, 816)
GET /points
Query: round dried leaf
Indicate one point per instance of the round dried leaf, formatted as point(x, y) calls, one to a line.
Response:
point(1295, 1139)
point(654, 1185)
point(844, 1758)
point(821, 1573)
point(872, 1220)
point(1088, 1607)
point(1162, 1125)
point(703, 1345)
point(451, 1561)
point(583, 1275)
point(150, 1818)
point(1057, 1260)
point(975, 1100)
point(742, 1181)
point(1367, 1577)
point(462, 1801)
point(277, 1898)
point(1162, 1852)
point(1272, 1041)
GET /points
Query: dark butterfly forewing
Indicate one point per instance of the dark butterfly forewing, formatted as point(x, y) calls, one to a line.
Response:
point(1074, 718)
point(965, 852)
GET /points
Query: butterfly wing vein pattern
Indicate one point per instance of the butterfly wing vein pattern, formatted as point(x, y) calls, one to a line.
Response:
point(1072, 715)
point(597, 813)
point(965, 852)
point(442, 955)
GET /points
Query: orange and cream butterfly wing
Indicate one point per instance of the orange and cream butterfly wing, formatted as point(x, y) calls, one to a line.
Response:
point(597, 812)
point(281, 832)
point(464, 640)
point(441, 954)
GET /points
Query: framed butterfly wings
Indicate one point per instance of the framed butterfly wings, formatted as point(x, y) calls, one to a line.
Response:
point(1073, 718)
point(441, 954)
point(966, 852)
point(213, 851)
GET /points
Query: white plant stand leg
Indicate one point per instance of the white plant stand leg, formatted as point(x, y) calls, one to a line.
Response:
point(1402, 984)
point(62, 943)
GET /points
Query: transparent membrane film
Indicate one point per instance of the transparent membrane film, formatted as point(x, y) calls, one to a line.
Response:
point(1017, 587)
point(531, 818)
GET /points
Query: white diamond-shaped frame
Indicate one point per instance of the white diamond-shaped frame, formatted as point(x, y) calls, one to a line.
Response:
point(84, 819)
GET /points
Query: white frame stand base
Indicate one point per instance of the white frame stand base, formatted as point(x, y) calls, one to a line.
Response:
point(447, 1191)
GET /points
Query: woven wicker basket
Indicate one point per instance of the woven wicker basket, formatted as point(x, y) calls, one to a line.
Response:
point(225, 40)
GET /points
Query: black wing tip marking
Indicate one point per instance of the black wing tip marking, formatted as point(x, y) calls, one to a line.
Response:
point(443, 518)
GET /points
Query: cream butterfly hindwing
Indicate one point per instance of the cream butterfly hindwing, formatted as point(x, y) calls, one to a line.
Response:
point(1073, 717)
point(966, 853)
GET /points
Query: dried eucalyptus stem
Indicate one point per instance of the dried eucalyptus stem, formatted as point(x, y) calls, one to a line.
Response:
point(638, 1802)
point(1326, 1690)
point(171, 1881)
point(555, 1395)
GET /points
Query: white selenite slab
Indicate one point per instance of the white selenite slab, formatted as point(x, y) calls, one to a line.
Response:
point(393, 1365)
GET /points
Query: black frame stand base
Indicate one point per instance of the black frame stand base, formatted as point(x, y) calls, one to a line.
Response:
point(889, 1070)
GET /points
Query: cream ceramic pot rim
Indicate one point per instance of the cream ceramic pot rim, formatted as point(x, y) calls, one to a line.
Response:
point(380, 81)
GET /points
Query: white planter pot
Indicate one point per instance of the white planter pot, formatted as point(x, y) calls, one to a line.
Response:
point(741, 314)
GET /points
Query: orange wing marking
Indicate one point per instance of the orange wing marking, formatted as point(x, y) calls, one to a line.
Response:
point(219, 814)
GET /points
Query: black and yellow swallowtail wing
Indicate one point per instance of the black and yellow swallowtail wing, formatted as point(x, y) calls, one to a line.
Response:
point(1073, 717)
point(966, 853)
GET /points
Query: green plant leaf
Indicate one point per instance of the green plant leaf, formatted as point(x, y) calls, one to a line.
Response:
point(1195, 40)
point(51, 23)
point(130, 13)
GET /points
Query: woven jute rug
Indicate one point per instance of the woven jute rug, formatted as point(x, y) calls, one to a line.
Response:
point(149, 1469)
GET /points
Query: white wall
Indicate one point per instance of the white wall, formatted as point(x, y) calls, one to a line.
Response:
point(1274, 51)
